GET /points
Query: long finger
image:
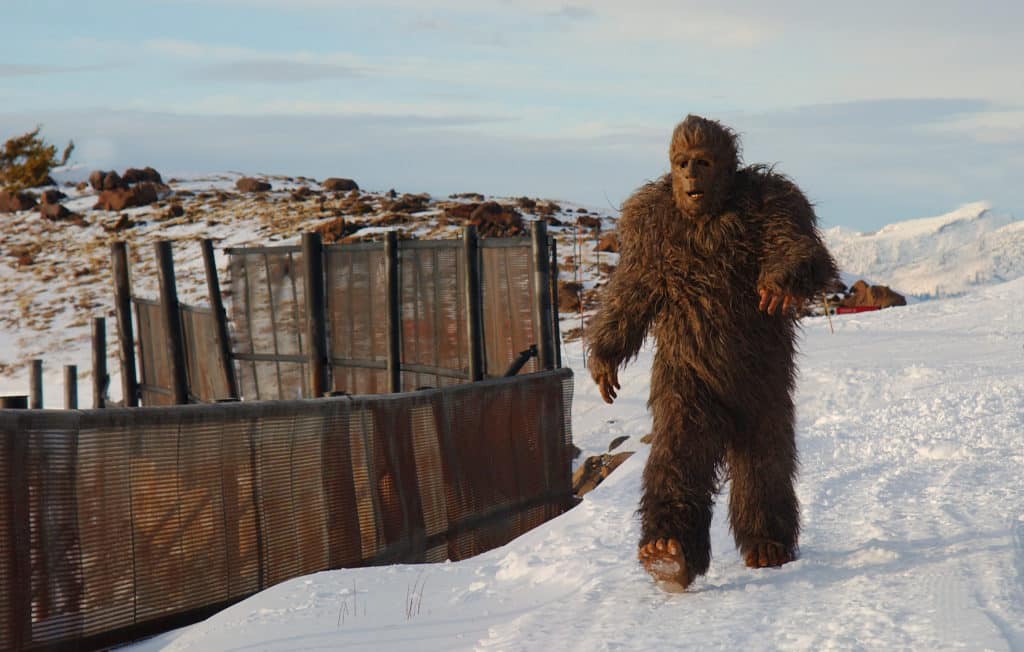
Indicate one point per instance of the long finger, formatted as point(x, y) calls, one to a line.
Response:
point(786, 302)
point(614, 379)
point(773, 304)
point(764, 300)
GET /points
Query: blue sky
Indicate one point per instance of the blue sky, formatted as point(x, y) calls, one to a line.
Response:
point(881, 111)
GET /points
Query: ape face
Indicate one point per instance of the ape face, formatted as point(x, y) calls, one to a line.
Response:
point(701, 180)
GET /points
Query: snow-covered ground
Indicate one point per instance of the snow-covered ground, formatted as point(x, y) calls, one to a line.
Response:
point(911, 431)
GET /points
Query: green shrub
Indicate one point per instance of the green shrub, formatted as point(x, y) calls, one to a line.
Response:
point(26, 161)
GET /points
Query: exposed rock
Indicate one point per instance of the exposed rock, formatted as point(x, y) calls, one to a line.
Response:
point(609, 242)
point(618, 441)
point(569, 296)
point(338, 184)
point(12, 202)
point(301, 193)
point(141, 194)
point(51, 196)
point(102, 180)
point(459, 211)
point(526, 203)
point(595, 469)
point(174, 210)
point(249, 184)
point(879, 296)
point(491, 219)
point(53, 211)
point(135, 175)
point(337, 229)
point(409, 204)
point(589, 222)
point(467, 195)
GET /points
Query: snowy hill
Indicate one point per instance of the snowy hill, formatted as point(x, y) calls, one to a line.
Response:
point(935, 256)
point(909, 429)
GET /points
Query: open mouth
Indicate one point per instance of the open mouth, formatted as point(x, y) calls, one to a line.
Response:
point(695, 194)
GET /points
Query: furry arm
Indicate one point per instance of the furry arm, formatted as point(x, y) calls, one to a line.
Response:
point(793, 258)
point(631, 300)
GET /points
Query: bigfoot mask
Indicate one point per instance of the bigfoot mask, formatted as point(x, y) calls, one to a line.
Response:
point(704, 158)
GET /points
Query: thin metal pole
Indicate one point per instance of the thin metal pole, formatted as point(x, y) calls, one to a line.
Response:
point(542, 294)
point(35, 385)
point(100, 378)
point(474, 306)
point(125, 333)
point(170, 315)
point(220, 316)
point(316, 317)
point(70, 387)
point(394, 313)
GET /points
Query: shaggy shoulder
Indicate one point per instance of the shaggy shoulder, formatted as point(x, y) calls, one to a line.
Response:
point(647, 206)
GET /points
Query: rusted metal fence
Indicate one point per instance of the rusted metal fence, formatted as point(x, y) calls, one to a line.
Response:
point(365, 318)
point(117, 521)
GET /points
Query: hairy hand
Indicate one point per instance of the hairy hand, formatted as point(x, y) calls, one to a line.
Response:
point(771, 299)
point(606, 377)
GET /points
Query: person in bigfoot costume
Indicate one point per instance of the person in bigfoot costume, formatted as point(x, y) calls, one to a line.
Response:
point(715, 261)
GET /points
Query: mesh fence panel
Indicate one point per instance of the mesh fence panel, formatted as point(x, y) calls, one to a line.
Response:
point(507, 286)
point(120, 517)
point(433, 308)
point(357, 315)
point(268, 312)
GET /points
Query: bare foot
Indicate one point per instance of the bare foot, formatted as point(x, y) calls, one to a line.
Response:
point(664, 560)
point(767, 554)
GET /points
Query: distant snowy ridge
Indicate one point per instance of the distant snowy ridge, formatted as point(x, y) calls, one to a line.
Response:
point(935, 256)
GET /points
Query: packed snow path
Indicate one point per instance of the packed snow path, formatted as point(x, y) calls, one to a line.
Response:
point(911, 432)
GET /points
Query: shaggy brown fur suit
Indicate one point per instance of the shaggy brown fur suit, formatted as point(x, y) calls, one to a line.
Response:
point(723, 373)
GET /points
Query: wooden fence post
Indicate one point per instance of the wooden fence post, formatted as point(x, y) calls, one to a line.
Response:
point(556, 327)
point(316, 317)
point(125, 332)
point(35, 385)
point(170, 315)
point(70, 387)
point(100, 377)
point(220, 316)
point(474, 307)
point(394, 314)
point(542, 294)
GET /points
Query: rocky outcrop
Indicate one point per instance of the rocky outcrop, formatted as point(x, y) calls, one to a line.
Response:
point(102, 180)
point(492, 220)
point(12, 202)
point(146, 174)
point(338, 184)
point(141, 194)
point(609, 242)
point(862, 295)
point(250, 184)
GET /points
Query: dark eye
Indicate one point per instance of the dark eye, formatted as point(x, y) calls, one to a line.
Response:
point(703, 163)
point(682, 163)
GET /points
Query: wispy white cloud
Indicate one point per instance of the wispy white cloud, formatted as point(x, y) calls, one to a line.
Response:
point(993, 127)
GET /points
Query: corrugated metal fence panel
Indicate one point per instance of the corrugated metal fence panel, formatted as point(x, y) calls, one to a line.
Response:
point(507, 288)
point(269, 315)
point(433, 306)
point(357, 318)
point(130, 516)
